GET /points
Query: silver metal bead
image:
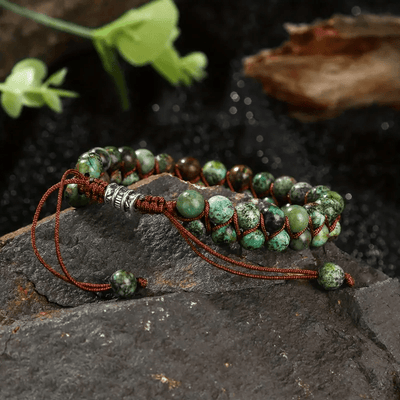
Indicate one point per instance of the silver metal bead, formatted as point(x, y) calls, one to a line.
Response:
point(121, 198)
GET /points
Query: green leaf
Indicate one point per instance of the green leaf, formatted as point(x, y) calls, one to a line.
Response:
point(180, 70)
point(32, 99)
point(52, 100)
point(57, 78)
point(12, 104)
point(140, 35)
point(28, 72)
point(24, 87)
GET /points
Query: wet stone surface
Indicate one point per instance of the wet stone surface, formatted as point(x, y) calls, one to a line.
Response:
point(195, 329)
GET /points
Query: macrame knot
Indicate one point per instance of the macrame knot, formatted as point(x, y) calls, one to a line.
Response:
point(94, 189)
point(154, 205)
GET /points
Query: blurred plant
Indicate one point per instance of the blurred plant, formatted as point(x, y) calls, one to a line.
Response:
point(25, 87)
point(141, 36)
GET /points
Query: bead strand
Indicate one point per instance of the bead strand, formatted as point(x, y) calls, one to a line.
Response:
point(309, 216)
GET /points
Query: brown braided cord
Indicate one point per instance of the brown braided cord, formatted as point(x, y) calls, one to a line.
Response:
point(94, 189)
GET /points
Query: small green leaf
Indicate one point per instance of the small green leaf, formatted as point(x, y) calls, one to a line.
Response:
point(32, 99)
point(28, 72)
point(52, 100)
point(57, 78)
point(12, 104)
point(141, 34)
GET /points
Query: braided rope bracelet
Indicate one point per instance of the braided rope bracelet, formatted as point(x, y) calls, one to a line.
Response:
point(280, 213)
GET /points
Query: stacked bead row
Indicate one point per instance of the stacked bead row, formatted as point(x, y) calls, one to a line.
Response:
point(255, 223)
point(258, 222)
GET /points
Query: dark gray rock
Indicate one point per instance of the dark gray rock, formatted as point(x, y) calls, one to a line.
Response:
point(196, 332)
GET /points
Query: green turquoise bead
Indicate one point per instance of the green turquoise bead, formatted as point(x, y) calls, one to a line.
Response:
point(130, 179)
point(190, 204)
point(334, 196)
point(90, 165)
point(74, 198)
point(285, 207)
point(123, 284)
point(116, 158)
point(165, 163)
point(330, 204)
point(274, 217)
point(253, 240)
point(280, 242)
point(330, 276)
point(298, 192)
point(317, 218)
point(282, 186)
point(248, 215)
point(298, 218)
point(105, 157)
point(214, 172)
point(224, 235)
point(316, 192)
point(146, 159)
point(336, 232)
point(322, 237)
point(221, 209)
point(262, 181)
point(302, 242)
point(196, 227)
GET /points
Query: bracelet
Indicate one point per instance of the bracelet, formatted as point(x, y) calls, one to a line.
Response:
point(280, 213)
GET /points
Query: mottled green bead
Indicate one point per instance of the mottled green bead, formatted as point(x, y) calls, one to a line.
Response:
point(116, 158)
point(90, 165)
point(282, 186)
point(317, 218)
point(298, 192)
point(190, 204)
point(302, 242)
point(214, 172)
point(336, 232)
point(268, 200)
point(221, 209)
point(128, 157)
point(105, 157)
point(74, 198)
point(123, 284)
point(130, 179)
point(334, 196)
point(316, 192)
point(196, 227)
point(322, 237)
point(165, 163)
point(280, 242)
point(224, 235)
point(262, 182)
point(330, 205)
point(146, 159)
point(274, 217)
point(248, 215)
point(298, 218)
point(253, 240)
point(116, 177)
point(330, 276)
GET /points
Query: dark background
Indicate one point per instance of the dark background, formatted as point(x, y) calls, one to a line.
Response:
point(225, 117)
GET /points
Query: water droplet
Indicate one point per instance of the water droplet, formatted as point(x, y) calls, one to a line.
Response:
point(247, 101)
point(155, 107)
point(385, 126)
point(259, 138)
point(233, 110)
point(356, 10)
point(249, 115)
